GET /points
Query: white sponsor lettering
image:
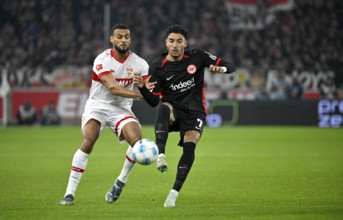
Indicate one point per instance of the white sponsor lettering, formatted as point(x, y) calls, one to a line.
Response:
point(124, 82)
point(182, 85)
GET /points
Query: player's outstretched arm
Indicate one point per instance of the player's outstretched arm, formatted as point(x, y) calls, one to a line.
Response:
point(223, 67)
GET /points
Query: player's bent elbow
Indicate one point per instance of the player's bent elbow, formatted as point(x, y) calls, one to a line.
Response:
point(152, 101)
point(154, 104)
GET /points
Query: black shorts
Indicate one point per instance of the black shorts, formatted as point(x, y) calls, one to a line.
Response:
point(187, 121)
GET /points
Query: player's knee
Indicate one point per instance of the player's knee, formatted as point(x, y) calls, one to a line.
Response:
point(132, 140)
point(161, 123)
point(191, 136)
point(131, 132)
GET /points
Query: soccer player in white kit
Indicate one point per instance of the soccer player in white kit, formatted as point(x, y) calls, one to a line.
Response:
point(109, 104)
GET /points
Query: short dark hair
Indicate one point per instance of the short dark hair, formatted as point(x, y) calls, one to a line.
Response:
point(119, 26)
point(177, 29)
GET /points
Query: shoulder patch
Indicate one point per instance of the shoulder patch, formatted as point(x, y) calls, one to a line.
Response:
point(211, 55)
point(98, 67)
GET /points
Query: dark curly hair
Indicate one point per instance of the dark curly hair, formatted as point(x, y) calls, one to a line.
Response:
point(178, 29)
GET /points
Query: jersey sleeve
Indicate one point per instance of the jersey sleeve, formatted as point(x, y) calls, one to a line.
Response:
point(152, 98)
point(209, 59)
point(144, 70)
point(101, 67)
point(153, 72)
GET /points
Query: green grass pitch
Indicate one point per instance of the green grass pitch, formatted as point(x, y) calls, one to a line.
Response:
point(238, 173)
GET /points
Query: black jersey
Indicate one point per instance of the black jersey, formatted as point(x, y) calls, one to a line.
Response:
point(181, 83)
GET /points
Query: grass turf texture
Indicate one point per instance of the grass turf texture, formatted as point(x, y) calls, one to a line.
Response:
point(238, 173)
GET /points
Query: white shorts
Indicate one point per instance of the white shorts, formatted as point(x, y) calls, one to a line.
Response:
point(115, 117)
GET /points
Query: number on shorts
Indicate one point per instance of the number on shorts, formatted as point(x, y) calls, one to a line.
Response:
point(200, 123)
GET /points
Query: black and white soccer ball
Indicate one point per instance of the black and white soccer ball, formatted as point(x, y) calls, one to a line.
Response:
point(145, 151)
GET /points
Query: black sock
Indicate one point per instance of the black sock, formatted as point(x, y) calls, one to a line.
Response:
point(185, 164)
point(161, 127)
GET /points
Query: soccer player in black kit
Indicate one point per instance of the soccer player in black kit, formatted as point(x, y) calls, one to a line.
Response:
point(179, 77)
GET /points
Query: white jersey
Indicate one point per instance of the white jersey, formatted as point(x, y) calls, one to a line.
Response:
point(111, 110)
point(122, 71)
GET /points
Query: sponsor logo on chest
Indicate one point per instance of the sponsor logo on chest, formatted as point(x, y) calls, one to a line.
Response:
point(183, 86)
point(123, 76)
point(124, 82)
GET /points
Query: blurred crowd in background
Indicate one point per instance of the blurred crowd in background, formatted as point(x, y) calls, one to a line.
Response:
point(47, 34)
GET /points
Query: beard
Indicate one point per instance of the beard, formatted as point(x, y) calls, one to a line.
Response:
point(176, 56)
point(120, 50)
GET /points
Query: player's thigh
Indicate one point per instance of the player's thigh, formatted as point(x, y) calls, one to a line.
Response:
point(131, 132)
point(92, 117)
point(192, 125)
point(90, 134)
point(91, 128)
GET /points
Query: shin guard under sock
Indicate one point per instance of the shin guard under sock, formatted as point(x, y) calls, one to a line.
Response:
point(185, 164)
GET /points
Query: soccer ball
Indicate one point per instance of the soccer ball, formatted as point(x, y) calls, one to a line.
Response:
point(145, 151)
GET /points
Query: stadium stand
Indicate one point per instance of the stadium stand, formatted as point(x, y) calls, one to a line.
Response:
point(37, 37)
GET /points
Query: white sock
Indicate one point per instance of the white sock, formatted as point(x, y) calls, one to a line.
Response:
point(174, 191)
point(128, 165)
point(78, 166)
